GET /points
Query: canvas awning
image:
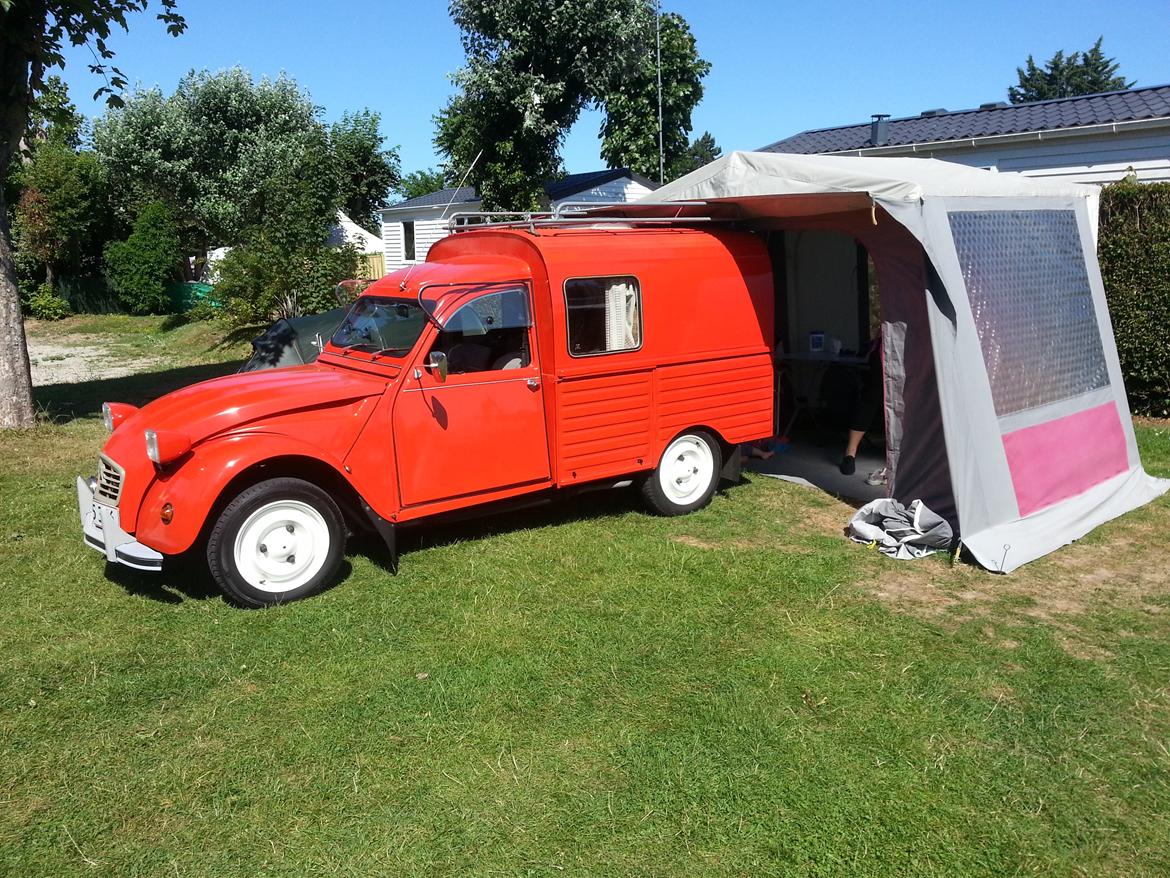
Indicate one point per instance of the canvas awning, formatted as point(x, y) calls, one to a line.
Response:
point(1003, 387)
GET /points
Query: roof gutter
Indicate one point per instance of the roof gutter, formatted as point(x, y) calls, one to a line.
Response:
point(998, 139)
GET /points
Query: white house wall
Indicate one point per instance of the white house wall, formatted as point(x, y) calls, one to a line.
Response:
point(430, 223)
point(1096, 159)
point(621, 190)
point(429, 226)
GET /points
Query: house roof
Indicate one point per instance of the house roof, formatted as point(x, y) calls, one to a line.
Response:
point(556, 190)
point(989, 120)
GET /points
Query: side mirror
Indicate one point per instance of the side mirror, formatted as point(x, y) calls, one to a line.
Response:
point(437, 365)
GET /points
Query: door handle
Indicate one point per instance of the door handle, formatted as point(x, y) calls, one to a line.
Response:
point(533, 383)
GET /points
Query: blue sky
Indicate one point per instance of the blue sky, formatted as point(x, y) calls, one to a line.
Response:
point(777, 67)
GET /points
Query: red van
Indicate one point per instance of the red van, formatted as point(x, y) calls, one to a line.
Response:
point(515, 363)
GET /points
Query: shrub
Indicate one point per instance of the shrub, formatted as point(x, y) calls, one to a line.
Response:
point(141, 268)
point(1134, 251)
point(259, 282)
point(45, 304)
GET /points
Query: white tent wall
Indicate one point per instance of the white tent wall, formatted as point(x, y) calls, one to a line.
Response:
point(997, 336)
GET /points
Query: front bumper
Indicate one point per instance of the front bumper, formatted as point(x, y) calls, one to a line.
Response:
point(101, 530)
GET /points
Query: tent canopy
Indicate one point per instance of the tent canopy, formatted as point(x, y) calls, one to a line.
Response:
point(1005, 407)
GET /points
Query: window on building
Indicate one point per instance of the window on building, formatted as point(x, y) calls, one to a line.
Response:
point(604, 315)
point(408, 240)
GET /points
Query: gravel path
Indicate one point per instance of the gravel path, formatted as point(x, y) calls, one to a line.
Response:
point(56, 363)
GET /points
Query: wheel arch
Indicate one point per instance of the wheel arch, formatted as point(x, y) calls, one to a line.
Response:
point(201, 488)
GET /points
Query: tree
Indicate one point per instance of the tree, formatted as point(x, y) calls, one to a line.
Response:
point(142, 268)
point(532, 66)
point(32, 34)
point(702, 151)
point(62, 213)
point(367, 171)
point(1079, 73)
point(629, 134)
point(424, 182)
point(223, 152)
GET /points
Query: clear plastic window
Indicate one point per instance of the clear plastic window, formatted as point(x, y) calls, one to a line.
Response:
point(604, 315)
point(1029, 292)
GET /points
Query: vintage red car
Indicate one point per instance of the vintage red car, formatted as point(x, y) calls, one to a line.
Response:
point(516, 363)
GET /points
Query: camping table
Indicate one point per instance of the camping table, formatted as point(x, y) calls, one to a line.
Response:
point(813, 367)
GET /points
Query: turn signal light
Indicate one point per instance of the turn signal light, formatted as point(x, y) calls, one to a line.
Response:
point(164, 446)
point(114, 413)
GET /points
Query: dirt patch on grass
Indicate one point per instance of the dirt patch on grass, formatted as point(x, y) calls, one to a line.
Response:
point(1122, 567)
point(54, 362)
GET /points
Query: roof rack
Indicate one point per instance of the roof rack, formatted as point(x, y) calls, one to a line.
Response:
point(578, 213)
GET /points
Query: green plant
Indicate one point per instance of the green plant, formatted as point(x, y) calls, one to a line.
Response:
point(141, 268)
point(45, 304)
point(1134, 251)
point(262, 281)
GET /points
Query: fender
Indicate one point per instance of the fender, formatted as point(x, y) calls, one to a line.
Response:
point(194, 487)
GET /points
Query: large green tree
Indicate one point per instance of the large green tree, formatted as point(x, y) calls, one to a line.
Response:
point(368, 170)
point(629, 133)
point(230, 156)
point(532, 66)
point(1063, 76)
point(32, 36)
point(422, 182)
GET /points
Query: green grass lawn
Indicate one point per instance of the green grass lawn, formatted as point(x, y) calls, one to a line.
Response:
point(580, 690)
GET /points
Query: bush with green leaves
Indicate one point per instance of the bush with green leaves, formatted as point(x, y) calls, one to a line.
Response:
point(141, 268)
point(263, 281)
point(45, 304)
point(1134, 250)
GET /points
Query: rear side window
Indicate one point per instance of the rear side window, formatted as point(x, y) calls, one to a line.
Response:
point(604, 314)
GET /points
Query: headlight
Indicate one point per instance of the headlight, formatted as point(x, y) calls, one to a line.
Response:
point(164, 446)
point(114, 413)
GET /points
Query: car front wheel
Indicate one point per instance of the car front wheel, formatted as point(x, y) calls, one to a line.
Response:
point(278, 541)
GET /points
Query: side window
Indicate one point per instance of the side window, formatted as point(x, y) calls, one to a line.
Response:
point(487, 334)
point(604, 315)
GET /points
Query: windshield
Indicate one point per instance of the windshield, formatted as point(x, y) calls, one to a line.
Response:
point(381, 325)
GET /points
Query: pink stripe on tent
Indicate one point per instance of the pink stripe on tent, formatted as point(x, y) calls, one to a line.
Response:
point(1062, 458)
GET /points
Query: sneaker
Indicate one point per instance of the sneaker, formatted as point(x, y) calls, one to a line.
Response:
point(848, 465)
point(878, 477)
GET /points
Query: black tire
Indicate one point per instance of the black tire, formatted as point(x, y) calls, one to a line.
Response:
point(320, 533)
point(687, 498)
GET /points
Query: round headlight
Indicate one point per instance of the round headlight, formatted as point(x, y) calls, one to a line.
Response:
point(107, 417)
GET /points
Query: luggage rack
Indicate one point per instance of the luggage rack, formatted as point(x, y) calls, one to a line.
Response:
point(578, 213)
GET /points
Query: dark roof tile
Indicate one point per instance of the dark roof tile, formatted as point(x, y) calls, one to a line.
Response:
point(1152, 102)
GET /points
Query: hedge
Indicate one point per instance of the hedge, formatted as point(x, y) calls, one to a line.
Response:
point(1134, 251)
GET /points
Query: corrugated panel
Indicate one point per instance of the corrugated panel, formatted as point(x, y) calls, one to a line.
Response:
point(604, 425)
point(734, 397)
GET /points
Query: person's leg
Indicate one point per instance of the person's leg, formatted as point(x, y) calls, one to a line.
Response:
point(849, 461)
point(865, 412)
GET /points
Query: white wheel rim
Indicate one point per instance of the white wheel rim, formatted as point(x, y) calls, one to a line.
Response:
point(686, 470)
point(282, 546)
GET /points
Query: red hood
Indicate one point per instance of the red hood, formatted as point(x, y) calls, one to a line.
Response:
point(220, 404)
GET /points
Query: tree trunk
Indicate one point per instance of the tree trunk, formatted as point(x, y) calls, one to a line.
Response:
point(16, 402)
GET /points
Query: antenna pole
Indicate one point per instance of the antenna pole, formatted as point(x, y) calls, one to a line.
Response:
point(658, 57)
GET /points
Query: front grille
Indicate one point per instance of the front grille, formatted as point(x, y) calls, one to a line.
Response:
point(109, 486)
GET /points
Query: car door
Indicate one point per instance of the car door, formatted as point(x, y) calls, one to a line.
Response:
point(481, 428)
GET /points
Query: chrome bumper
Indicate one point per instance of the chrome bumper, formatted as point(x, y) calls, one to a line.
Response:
point(101, 530)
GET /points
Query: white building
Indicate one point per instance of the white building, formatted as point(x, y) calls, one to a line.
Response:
point(1087, 139)
point(411, 227)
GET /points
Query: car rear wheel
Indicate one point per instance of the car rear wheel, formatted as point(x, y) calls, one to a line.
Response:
point(277, 541)
point(687, 475)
